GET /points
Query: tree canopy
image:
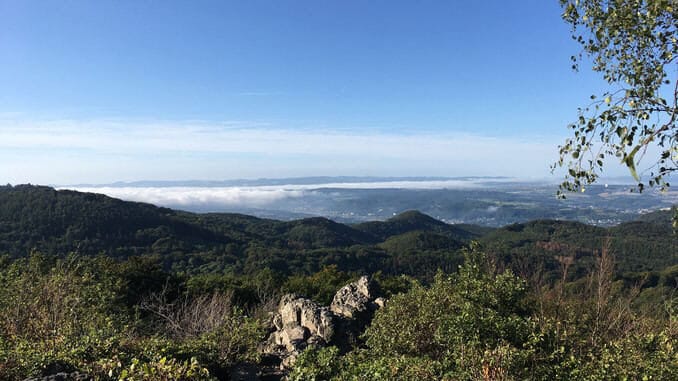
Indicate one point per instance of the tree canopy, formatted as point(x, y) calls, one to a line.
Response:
point(633, 44)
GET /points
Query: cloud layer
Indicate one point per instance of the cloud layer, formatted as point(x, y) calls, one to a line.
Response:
point(253, 197)
point(62, 152)
point(196, 196)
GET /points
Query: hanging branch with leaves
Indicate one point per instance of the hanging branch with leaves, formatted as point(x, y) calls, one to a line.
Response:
point(633, 43)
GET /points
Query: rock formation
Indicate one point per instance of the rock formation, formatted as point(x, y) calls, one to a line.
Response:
point(300, 322)
point(355, 300)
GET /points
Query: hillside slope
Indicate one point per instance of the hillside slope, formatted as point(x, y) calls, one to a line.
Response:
point(413, 221)
point(58, 222)
point(37, 217)
point(636, 246)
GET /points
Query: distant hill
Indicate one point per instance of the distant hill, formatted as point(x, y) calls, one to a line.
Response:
point(319, 232)
point(59, 222)
point(37, 217)
point(636, 246)
point(661, 217)
point(307, 233)
point(414, 220)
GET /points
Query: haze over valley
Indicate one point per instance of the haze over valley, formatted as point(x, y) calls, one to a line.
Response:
point(489, 201)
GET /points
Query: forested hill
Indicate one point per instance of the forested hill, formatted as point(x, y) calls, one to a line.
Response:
point(38, 217)
point(59, 222)
point(416, 221)
point(636, 246)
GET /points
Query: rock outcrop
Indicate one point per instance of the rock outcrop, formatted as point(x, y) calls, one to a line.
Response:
point(300, 322)
point(355, 300)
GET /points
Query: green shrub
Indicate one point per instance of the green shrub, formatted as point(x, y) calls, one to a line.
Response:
point(471, 322)
point(316, 365)
point(157, 369)
point(56, 314)
point(363, 366)
point(321, 286)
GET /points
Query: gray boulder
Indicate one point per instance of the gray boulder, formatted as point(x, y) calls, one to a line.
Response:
point(300, 322)
point(355, 300)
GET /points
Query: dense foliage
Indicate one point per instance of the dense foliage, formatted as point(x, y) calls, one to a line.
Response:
point(129, 291)
point(57, 222)
point(481, 324)
point(74, 314)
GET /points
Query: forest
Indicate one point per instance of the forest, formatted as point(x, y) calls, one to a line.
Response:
point(107, 289)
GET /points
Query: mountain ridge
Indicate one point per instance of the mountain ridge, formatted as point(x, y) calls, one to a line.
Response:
point(60, 221)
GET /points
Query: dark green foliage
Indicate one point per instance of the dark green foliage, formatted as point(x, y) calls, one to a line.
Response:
point(318, 232)
point(412, 243)
point(390, 285)
point(637, 246)
point(659, 217)
point(141, 275)
point(316, 365)
point(64, 221)
point(320, 287)
point(416, 241)
point(247, 291)
point(422, 253)
point(413, 221)
point(35, 217)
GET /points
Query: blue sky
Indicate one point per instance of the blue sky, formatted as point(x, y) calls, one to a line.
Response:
point(129, 90)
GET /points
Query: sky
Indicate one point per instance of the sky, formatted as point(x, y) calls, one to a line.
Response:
point(97, 92)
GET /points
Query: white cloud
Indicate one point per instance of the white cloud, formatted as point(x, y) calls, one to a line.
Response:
point(256, 196)
point(94, 151)
point(195, 196)
point(239, 137)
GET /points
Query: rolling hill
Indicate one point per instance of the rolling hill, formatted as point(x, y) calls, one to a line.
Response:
point(58, 222)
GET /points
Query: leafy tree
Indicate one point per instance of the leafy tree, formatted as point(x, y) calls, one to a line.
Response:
point(469, 323)
point(320, 286)
point(633, 44)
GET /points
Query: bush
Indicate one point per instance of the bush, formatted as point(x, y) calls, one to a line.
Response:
point(72, 314)
point(321, 286)
point(157, 369)
point(208, 327)
point(316, 364)
point(471, 322)
point(56, 314)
